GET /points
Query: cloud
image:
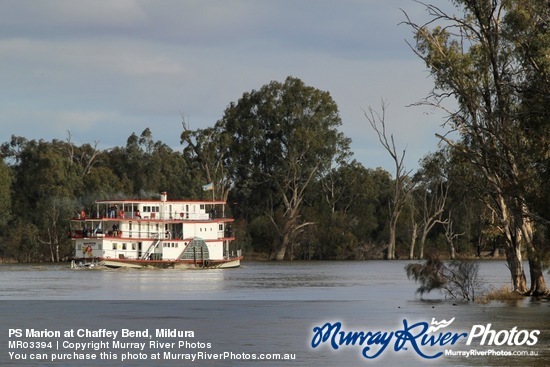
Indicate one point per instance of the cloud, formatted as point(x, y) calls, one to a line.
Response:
point(87, 66)
point(68, 19)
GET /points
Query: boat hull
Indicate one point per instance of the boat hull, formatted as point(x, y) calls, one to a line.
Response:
point(177, 264)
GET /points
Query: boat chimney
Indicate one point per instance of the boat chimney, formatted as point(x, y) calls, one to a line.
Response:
point(163, 196)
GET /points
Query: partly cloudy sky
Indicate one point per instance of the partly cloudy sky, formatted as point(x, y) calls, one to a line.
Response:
point(105, 69)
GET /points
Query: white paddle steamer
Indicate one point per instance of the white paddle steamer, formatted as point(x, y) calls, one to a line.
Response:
point(160, 233)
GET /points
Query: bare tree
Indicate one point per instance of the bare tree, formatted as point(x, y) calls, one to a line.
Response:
point(84, 157)
point(432, 207)
point(450, 235)
point(402, 185)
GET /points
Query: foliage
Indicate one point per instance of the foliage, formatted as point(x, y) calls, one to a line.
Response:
point(458, 279)
point(279, 159)
point(283, 137)
point(493, 61)
point(5, 194)
point(502, 294)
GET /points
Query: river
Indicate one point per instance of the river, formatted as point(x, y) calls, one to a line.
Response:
point(264, 310)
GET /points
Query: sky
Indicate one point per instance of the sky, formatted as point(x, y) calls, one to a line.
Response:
point(103, 70)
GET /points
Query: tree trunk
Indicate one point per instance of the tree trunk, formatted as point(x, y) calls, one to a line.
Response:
point(452, 252)
point(536, 269)
point(513, 226)
point(280, 255)
point(413, 240)
point(390, 255)
point(538, 285)
point(514, 259)
point(422, 242)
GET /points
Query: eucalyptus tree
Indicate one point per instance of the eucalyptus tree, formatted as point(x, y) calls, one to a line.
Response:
point(206, 151)
point(5, 194)
point(6, 179)
point(480, 59)
point(346, 207)
point(146, 167)
point(430, 195)
point(282, 137)
point(528, 24)
point(43, 198)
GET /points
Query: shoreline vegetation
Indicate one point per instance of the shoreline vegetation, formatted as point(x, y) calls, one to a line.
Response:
point(279, 159)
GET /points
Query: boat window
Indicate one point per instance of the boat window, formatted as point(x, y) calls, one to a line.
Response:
point(114, 246)
point(124, 246)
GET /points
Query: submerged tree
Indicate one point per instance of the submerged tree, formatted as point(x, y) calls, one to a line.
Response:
point(458, 279)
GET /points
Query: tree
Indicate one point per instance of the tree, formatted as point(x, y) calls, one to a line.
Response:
point(458, 279)
point(431, 193)
point(345, 205)
point(145, 168)
point(5, 194)
point(85, 157)
point(402, 185)
point(479, 61)
point(42, 174)
point(527, 24)
point(282, 137)
point(56, 212)
point(207, 151)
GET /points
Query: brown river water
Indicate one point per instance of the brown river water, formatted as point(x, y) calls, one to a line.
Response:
point(363, 313)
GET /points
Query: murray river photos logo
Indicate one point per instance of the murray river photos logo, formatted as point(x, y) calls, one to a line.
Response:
point(428, 340)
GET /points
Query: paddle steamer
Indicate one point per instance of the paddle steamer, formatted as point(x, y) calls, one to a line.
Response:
point(160, 233)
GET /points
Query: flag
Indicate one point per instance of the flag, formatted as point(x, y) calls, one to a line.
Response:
point(208, 187)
